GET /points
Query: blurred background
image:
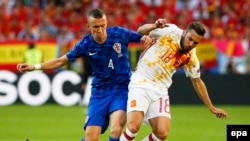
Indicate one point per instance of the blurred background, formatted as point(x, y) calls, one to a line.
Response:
point(49, 28)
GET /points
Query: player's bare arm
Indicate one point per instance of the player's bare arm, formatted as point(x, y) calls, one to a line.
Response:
point(50, 64)
point(146, 28)
point(201, 90)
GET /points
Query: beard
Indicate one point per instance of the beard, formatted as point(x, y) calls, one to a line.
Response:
point(184, 48)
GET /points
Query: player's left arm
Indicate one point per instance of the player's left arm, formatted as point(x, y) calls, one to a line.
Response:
point(192, 69)
point(202, 92)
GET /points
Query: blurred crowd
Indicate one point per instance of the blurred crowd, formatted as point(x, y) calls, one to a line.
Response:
point(227, 21)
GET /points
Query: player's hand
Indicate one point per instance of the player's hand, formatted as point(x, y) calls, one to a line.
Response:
point(219, 113)
point(161, 23)
point(23, 67)
point(148, 41)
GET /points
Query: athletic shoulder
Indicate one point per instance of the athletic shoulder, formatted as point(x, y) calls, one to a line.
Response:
point(124, 33)
point(158, 32)
point(192, 68)
point(85, 40)
point(194, 59)
point(83, 43)
point(169, 28)
point(118, 29)
point(170, 25)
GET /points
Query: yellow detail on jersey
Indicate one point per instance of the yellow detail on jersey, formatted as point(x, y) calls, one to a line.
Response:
point(169, 66)
point(142, 81)
point(133, 103)
point(171, 55)
point(169, 41)
point(171, 48)
point(159, 75)
point(159, 52)
point(192, 63)
point(169, 58)
point(150, 63)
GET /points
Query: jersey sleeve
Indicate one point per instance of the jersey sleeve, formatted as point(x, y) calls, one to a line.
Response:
point(158, 32)
point(76, 51)
point(132, 36)
point(135, 37)
point(192, 68)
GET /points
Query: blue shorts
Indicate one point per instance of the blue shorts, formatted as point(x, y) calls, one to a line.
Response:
point(102, 103)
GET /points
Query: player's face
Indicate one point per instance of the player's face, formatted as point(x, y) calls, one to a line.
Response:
point(189, 40)
point(97, 28)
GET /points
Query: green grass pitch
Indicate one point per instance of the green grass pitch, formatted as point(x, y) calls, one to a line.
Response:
point(52, 122)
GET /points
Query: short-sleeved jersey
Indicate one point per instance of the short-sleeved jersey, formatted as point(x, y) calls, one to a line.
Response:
point(110, 60)
point(159, 62)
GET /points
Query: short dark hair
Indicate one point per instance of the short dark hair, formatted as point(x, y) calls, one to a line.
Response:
point(96, 13)
point(198, 27)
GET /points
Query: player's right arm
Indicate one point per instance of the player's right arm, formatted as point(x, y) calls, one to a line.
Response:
point(50, 64)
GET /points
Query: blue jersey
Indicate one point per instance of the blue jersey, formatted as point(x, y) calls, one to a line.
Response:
point(110, 60)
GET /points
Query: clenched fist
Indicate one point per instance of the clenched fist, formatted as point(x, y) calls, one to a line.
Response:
point(23, 67)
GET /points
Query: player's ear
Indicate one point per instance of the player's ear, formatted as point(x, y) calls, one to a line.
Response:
point(88, 26)
point(184, 32)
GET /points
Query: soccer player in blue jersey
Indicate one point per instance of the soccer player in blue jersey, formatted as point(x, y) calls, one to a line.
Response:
point(107, 51)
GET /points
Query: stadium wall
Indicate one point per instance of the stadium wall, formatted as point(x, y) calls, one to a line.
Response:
point(11, 53)
point(223, 89)
point(64, 88)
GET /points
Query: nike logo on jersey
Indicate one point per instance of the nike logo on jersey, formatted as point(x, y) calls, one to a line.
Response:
point(92, 53)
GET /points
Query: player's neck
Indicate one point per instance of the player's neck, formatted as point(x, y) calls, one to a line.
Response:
point(101, 40)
